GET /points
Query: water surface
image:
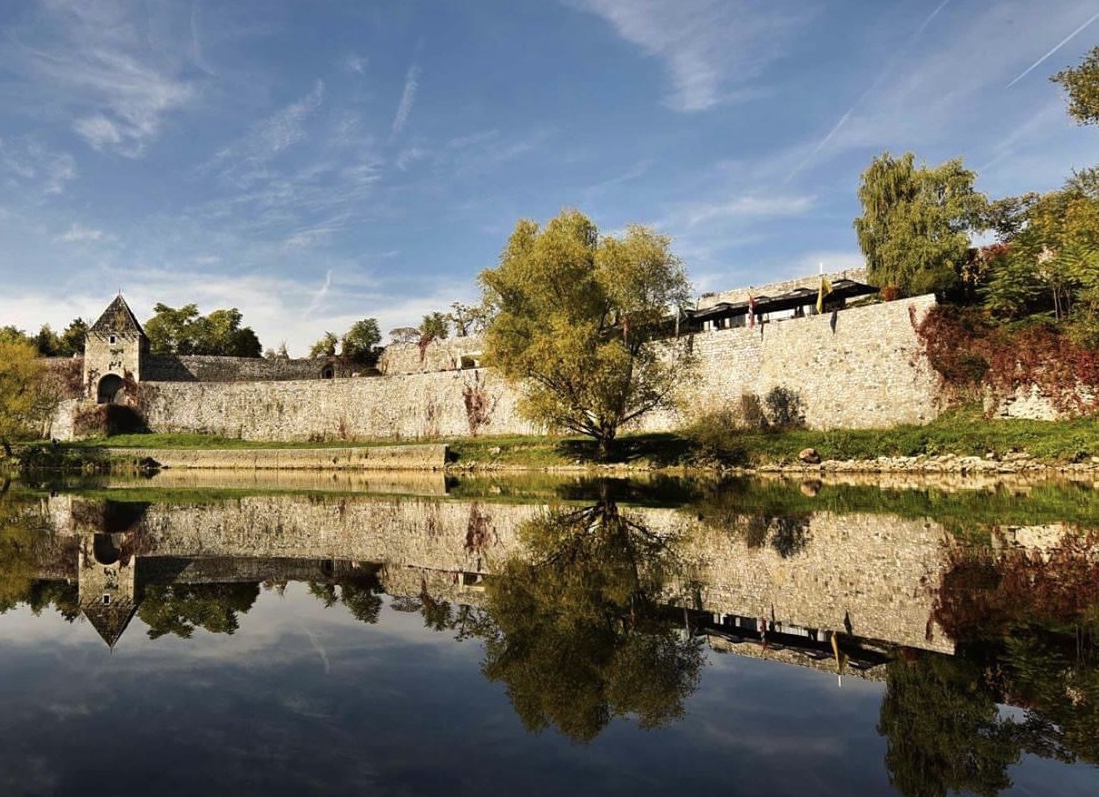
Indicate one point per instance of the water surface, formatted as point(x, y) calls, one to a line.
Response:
point(550, 637)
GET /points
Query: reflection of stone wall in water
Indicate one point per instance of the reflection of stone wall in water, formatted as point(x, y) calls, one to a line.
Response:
point(876, 572)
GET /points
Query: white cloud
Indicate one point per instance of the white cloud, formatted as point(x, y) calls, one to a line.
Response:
point(408, 98)
point(99, 63)
point(80, 234)
point(354, 63)
point(318, 297)
point(29, 164)
point(712, 49)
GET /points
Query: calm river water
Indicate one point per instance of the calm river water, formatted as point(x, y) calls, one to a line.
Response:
point(415, 636)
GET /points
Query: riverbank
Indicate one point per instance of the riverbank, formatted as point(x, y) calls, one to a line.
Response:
point(961, 442)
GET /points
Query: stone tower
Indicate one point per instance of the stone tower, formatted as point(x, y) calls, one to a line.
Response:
point(113, 351)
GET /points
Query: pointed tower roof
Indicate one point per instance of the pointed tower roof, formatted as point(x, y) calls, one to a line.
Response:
point(118, 317)
point(110, 621)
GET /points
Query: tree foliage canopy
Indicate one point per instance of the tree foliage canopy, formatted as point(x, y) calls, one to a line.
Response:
point(360, 343)
point(916, 222)
point(185, 331)
point(325, 346)
point(435, 326)
point(1081, 83)
point(25, 398)
point(572, 314)
point(1051, 263)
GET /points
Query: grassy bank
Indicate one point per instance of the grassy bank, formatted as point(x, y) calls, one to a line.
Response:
point(962, 433)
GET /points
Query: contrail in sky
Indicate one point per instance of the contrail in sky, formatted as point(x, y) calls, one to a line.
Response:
point(927, 21)
point(877, 82)
point(1064, 41)
point(318, 297)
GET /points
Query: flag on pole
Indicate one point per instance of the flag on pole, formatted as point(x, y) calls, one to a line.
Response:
point(825, 289)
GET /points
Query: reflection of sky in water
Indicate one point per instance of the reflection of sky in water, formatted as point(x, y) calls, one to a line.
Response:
point(307, 700)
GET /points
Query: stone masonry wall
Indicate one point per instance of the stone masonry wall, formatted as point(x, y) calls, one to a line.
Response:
point(200, 368)
point(865, 372)
point(868, 372)
point(438, 355)
point(407, 407)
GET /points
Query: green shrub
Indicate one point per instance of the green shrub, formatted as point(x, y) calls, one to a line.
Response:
point(784, 408)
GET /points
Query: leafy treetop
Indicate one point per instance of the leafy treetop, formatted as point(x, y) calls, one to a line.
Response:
point(185, 331)
point(916, 222)
point(572, 314)
point(1081, 83)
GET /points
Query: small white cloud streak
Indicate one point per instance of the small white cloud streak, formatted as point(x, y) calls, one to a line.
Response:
point(79, 234)
point(32, 166)
point(745, 207)
point(707, 46)
point(319, 296)
point(355, 64)
point(408, 98)
point(1062, 43)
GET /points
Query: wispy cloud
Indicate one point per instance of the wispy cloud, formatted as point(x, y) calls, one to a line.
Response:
point(881, 75)
point(408, 98)
point(354, 63)
point(744, 208)
point(1059, 45)
point(29, 165)
point(116, 82)
point(713, 49)
point(319, 296)
point(279, 131)
point(80, 234)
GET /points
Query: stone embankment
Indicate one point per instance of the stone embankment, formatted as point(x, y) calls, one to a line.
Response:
point(1011, 463)
point(404, 457)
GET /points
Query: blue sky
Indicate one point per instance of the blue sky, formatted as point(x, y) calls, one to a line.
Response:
point(313, 162)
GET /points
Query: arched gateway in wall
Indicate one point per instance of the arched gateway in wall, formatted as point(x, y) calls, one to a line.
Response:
point(109, 389)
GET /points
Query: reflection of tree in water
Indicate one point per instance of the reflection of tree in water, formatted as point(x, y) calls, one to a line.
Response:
point(943, 730)
point(181, 608)
point(721, 507)
point(360, 592)
point(1025, 624)
point(27, 545)
point(578, 637)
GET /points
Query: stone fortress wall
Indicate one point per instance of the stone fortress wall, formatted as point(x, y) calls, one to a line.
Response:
point(203, 368)
point(865, 372)
point(860, 368)
point(877, 573)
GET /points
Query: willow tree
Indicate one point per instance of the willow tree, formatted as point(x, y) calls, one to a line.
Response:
point(916, 222)
point(573, 314)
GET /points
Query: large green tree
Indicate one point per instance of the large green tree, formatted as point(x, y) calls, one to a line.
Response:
point(1081, 84)
point(360, 343)
point(573, 315)
point(26, 400)
point(184, 330)
point(1051, 263)
point(916, 222)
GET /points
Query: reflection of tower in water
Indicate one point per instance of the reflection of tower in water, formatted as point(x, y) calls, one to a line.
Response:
point(106, 583)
